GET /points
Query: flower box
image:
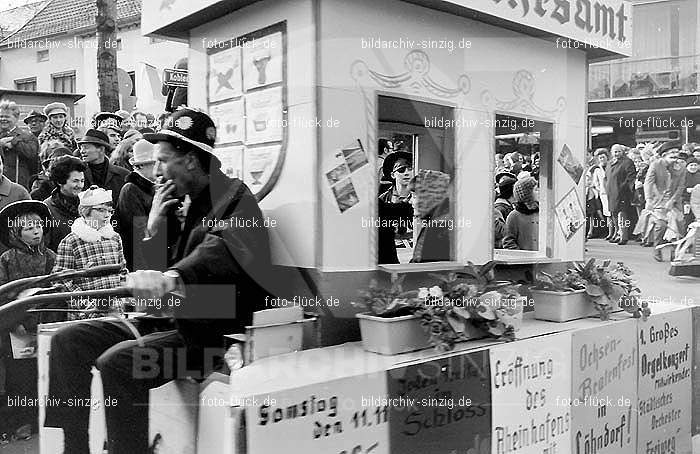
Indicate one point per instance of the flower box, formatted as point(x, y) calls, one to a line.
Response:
point(562, 306)
point(392, 335)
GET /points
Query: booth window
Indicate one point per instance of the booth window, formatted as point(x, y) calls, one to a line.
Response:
point(416, 170)
point(28, 84)
point(64, 82)
point(522, 190)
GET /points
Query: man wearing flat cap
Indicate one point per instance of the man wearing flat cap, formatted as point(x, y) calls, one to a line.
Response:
point(19, 148)
point(35, 121)
point(93, 151)
point(213, 265)
point(663, 190)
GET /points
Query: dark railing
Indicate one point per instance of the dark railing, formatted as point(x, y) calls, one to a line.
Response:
point(644, 78)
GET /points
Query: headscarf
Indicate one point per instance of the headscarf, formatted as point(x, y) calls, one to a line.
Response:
point(65, 134)
point(523, 193)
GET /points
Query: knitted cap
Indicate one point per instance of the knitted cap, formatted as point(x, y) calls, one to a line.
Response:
point(94, 196)
point(430, 188)
point(522, 191)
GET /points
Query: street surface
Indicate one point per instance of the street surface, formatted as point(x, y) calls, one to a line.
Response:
point(652, 276)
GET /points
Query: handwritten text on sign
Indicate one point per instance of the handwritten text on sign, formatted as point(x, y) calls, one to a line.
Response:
point(604, 389)
point(665, 383)
point(530, 387)
point(345, 416)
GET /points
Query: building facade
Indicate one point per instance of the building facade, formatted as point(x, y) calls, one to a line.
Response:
point(56, 51)
point(653, 94)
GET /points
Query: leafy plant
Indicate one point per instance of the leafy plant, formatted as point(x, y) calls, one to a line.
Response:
point(387, 302)
point(610, 283)
point(472, 300)
point(562, 281)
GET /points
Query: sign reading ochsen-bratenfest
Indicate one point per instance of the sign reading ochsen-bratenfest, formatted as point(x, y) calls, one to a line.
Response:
point(605, 24)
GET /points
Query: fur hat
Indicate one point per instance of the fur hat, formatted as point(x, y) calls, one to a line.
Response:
point(94, 196)
point(430, 189)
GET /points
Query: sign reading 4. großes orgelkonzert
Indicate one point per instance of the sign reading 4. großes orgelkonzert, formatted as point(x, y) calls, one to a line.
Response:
point(605, 24)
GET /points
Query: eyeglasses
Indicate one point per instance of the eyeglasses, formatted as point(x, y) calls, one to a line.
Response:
point(105, 210)
point(403, 169)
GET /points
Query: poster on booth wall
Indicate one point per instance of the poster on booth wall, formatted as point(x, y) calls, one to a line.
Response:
point(441, 406)
point(262, 61)
point(258, 165)
point(225, 75)
point(348, 415)
point(569, 162)
point(531, 394)
point(696, 367)
point(345, 195)
point(604, 389)
point(264, 117)
point(665, 364)
point(229, 119)
point(231, 159)
point(570, 214)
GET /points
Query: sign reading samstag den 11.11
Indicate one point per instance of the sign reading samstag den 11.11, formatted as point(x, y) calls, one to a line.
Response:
point(605, 24)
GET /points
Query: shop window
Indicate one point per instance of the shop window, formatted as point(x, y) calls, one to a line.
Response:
point(415, 209)
point(28, 84)
point(64, 82)
point(523, 150)
point(42, 55)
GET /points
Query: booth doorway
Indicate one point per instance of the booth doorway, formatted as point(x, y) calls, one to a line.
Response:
point(423, 131)
point(523, 148)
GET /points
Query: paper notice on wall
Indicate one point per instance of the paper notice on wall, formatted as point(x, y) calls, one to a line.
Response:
point(264, 117)
point(530, 394)
point(231, 159)
point(570, 214)
point(348, 415)
point(441, 406)
point(229, 120)
point(354, 155)
point(570, 163)
point(345, 195)
point(225, 75)
point(604, 389)
point(337, 173)
point(262, 61)
point(665, 364)
point(259, 163)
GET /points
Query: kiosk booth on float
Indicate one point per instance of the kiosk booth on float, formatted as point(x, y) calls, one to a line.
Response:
point(302, 91)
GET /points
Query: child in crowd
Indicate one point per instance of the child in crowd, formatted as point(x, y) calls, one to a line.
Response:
point(522, 225)
point(22, 228)
point(92, 242)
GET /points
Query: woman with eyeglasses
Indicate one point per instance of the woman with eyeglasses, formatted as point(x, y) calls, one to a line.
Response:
point(394, 207)
point(92, 242)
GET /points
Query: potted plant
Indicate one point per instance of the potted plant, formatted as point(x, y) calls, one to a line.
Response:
point(388, 324)
point(611, 286)
point(561, 297)
point(469, 305)
point(586, 289)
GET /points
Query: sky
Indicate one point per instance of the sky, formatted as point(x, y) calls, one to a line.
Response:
point(8, 4)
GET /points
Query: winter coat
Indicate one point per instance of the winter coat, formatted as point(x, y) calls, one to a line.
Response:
point(619, 184)
point(691, 180)
point(223, 265)
point(522, 229)
point(663, 187)
point(24, 261)
point(114, 181)
point(64, 210)
point(85, 247)
point(66, 135)
point(395, 219)
point(599, 185)
point(21, 159)
point(133, 208)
